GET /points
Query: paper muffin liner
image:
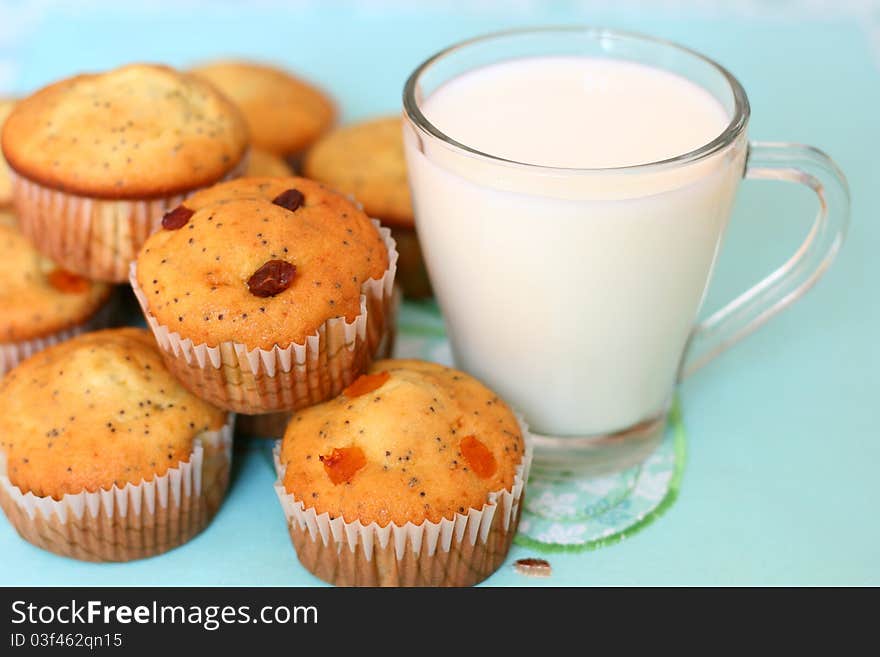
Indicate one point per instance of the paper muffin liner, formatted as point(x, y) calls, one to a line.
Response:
point(235, 377)
point(132, 522)
point(93, 237)
point(452, 552)
point(12, 353)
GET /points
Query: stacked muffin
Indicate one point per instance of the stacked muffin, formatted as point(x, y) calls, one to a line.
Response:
point(366, 160)
point(285, 114)
point(104, 456)
point(97, 159)
point(41, 303)
point(266, 295)
point(412, 477)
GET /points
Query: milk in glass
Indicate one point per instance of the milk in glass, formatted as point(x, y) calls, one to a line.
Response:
point(571, 286)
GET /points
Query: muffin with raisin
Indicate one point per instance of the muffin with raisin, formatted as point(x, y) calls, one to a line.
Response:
point(411, 477)
point(366, 160)
point(104, 456)
point(267, 294)
point(97, 159)
point(41, 303)
point(285, 114)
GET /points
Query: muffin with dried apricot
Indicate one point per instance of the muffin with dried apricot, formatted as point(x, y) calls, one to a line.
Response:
point(41, 304)
point(267, 294)
point(366, 160)
point(104, 456)
point(412, 477)
point(97, 159)
point(285, 113)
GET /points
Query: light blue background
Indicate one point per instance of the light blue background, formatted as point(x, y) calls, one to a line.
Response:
point(782, 482)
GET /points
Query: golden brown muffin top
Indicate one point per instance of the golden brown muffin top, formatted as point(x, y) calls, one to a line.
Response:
point(97, 410)
point(250, 270)
point(366, 160)
point(37, 297)
point(264, 163)
point(284, 113)
point(408, 442)
point(5, 182)
point(139, 131)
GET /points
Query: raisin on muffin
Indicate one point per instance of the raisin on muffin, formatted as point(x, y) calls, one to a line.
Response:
point(285, 114)
point(366, 160)
point(98, 158)
point(413, 446)
point(91, 431)
point(41, 304)
point(266, 294)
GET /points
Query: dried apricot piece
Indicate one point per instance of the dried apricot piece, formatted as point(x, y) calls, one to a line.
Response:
point(366, 383)
point(478, 456)
point(68, 282)
point(343, 463)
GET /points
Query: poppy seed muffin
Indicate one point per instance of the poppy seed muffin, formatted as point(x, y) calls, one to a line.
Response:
point(98, 158)
point(409, 444)
point(366, 160)
point(98, 413)
point(5, 180)
point(40, 303)
point(284, 113)
point(272, 265)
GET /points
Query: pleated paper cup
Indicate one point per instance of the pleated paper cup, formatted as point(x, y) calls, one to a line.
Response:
point(462, 551)
point(132, 522)
point(94, 237)
point(12, 353)
point(239, 378)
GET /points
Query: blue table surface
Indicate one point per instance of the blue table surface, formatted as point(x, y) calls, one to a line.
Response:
point(781, 484)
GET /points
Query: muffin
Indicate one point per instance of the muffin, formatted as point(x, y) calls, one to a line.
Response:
point(412, 477)
point(41, 304)
point(366, 160)
point(284, 113)
point(5, 180)
point(97, 159)
point(103, 455)
point(267, 294)
point(264, 163)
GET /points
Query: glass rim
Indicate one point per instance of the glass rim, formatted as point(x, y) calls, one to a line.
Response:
point(735, 127)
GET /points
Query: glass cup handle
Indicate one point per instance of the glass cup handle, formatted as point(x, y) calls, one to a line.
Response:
point(794, 163)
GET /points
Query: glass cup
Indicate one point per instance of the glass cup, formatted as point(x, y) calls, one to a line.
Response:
point(574, 293)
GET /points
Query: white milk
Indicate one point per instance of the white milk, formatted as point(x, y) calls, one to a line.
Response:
point(572, 293)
